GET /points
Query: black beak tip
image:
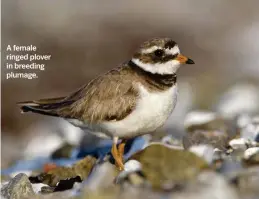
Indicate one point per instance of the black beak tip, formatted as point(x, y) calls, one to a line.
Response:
point(190, 61)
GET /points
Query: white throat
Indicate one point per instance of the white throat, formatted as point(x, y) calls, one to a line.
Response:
point(166, 68)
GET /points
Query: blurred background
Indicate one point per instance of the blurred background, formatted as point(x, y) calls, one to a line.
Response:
point(87, 38)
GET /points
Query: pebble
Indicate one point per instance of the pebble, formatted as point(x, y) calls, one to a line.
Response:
point(101, 177)
point(18, 187)
point(239, 99)
point(251, 155)
point(197, 118)
point(82, 168)
point(241, 144)
point(204, 151)
point(215, 138)
point(166, 167)
point(250, 130)
point(130, 167)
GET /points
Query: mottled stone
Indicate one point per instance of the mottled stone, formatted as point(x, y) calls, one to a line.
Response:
point(18, 187)
point(164, 167)
point(201, 120)
point(215, 138)
point(81, 168)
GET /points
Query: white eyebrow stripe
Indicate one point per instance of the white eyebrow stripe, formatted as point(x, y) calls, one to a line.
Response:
point(173, 51)
point(150, 50)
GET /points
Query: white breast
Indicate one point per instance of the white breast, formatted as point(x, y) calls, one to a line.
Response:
point(152, 111)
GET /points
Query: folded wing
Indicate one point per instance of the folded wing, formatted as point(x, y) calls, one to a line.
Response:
point(108, 97)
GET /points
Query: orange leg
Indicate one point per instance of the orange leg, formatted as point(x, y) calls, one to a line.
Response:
point(121, 148)
point(116, 154)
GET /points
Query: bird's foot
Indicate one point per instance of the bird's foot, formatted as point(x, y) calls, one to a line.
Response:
point(118, 153)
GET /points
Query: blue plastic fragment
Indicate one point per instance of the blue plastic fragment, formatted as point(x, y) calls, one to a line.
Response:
point(99, 151)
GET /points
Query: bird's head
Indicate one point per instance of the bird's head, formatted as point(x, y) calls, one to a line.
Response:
point(160, 56)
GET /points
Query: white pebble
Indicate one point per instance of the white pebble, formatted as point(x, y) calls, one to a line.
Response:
point(132, 166)
point(239, 99)
point(251, 151)
point(198, 118)
point(37, 187)
point(241, 143)
point(204, 151)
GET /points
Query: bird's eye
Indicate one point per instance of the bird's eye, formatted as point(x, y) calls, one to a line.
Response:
point(159, 53)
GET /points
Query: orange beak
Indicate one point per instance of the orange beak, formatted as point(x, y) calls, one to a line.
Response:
point(184, 60)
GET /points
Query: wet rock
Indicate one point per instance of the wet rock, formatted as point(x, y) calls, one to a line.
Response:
point(217, 139)
point(204, 187)
point(18, 187)
point(251, 156)
point(65, 151)
point(164, 167)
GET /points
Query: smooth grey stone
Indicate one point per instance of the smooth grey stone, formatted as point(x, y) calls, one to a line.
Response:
point(18, 187)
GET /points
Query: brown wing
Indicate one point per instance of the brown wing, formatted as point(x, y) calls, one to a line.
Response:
point(108, 97)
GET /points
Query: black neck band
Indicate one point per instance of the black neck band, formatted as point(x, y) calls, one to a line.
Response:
point(166, 80)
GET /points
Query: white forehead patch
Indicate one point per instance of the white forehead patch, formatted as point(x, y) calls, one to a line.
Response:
point(172, 51)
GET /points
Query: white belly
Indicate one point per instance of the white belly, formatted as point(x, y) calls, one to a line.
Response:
point(151, 112)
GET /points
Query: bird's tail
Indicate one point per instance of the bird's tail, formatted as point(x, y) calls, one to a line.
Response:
point(45, 106)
